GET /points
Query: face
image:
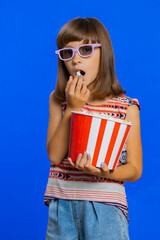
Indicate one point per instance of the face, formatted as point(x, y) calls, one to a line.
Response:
point(89, 65)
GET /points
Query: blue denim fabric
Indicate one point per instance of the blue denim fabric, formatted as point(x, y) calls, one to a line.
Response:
point(83, 220)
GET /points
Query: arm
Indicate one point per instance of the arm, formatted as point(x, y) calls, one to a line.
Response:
point(132, 170)
point(58, 131)
point(59, 126)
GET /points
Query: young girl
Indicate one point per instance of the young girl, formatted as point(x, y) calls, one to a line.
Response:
point(86, 202)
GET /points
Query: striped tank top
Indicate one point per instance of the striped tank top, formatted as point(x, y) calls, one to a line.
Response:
point(66, 182)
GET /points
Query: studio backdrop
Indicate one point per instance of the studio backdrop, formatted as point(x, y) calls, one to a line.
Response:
point(28, 70)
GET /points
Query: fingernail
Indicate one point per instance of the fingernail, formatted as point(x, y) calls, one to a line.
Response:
point(79, 154)
point(103, 164)
point(88, 155)
point(84, 153)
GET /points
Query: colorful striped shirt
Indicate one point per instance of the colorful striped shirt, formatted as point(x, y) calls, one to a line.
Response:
point(66, 182)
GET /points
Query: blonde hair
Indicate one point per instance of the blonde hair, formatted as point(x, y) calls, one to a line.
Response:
point(89, 29)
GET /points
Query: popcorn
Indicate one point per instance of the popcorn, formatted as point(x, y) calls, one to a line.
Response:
point(103, 115)
point(78, 73)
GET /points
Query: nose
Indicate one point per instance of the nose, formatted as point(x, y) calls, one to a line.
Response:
point(76, 59)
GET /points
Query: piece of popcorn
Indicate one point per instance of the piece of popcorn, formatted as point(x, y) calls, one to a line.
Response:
point(106, 116)
point(78, 73)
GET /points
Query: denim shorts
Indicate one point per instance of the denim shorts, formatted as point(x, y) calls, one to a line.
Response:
point(85, 220)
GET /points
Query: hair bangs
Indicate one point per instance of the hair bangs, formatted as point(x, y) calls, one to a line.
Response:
point(77, 30)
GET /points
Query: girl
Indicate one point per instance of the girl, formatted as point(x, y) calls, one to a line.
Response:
point(86, 202)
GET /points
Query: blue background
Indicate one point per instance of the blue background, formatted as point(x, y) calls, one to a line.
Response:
point(28, 68)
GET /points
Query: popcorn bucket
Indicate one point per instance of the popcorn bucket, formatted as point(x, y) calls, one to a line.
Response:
point(102, 137)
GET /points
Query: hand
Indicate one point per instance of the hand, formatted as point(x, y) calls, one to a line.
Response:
point(83, 162)
point(76, 92)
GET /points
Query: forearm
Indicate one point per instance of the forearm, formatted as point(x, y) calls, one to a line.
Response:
point(57, 148)
point(126, 172)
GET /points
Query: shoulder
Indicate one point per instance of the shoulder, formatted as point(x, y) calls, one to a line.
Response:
point(53, 99)
point(133, 108)
point(128, 101)
point(51, 96)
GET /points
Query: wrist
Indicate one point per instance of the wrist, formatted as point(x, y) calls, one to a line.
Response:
point(69, 109)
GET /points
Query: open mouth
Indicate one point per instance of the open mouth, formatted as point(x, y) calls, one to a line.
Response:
point(80, 73)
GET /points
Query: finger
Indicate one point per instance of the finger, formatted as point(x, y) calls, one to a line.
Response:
point(89, 167)
point(68, 83)
point(72, 163)
point(82, 161)
point(87, 94)
point(88, 160)
point(104, 167)
point(73, 85)
point(78, 160)
point(79, 85)
point(83, 89)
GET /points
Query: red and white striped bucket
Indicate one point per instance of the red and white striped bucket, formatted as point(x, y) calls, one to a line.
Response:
point(103, 138)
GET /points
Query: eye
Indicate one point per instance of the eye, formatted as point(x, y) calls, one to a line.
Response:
point(85, 50)
point(66, 53)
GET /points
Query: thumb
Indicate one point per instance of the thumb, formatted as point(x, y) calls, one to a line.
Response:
point(104, 167)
